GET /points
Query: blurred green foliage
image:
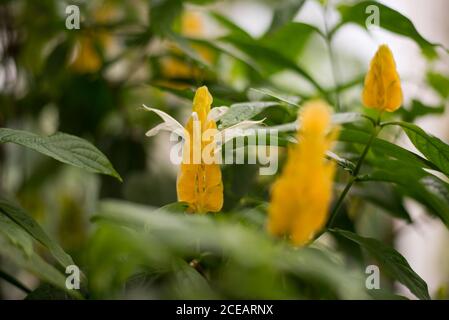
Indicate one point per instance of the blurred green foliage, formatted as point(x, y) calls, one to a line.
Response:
point(90, 84)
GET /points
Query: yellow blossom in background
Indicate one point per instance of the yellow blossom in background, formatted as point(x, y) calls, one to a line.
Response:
point(301, 196)
point(200, 184)
point(87, 58)
point(191, 26)
point(382, 90)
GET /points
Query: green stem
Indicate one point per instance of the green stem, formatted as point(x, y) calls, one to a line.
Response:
point(13, 281)
point(354, 174)
point(333, 60)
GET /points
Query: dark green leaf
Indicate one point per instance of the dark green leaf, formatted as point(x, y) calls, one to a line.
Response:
point(284, 12)
point(393, 263)
point(390, 20)
point(431, 147)
point(418, 109)
point(384, 147)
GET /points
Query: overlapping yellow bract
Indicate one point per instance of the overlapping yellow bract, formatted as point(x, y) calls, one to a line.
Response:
point(301, 196)
point(199, 184)
point(382, 90)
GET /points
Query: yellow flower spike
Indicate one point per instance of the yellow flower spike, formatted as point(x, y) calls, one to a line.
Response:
point(87, 59)
point(301, 196)
point(382, 90)
point(199, 184)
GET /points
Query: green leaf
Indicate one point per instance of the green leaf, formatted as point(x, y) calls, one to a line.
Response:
point(36, 265)
point(384, 196)
point(62, 147)
point(390, 20)
point(244, 246)
point(431, 147)
point(439, 83)
point(233, 28)
point(418, 109)
point(162, 14)
point(416, 183)
point(26, 222)
point(289, 99)
point(243, 111)
point(15, 235)
point(383, 147)
point(393, 263)
point(284, 12)
point(296, 34)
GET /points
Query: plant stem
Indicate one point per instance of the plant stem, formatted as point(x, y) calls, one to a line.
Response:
point(333, 60)
point(376, 129)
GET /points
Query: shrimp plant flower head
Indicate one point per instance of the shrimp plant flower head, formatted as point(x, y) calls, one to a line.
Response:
point(199, 181)
point(382, 89)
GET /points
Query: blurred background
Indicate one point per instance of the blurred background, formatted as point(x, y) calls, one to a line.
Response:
point(91, 82)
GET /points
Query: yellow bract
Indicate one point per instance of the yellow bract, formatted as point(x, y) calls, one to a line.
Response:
point(199, 184)
point(301, 196)
point(382, 89)
point(87, 58)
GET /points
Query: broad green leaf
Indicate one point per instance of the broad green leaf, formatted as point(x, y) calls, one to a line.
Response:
point(284, 12)
point(384, 147)
point(36, 265)
point(415, 183)
point(336, 119)
point(289, 99)
point(62, 147)
point(14, 233)
point(231, 26)
point(162, 14)
point(245, 246)
point(272, 61)
point(296, 34)
point(244, 111)
point(393, 263)
point(418, 109)
point(384, 196)
point(390, 20)
point(431, 147)
point(26, 222)
point(439, 83)
point(188, 283)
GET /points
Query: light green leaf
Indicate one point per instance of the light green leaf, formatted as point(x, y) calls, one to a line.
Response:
point(393, 263)
point(439, 83)
point(296, 34)
point(36, 265)
point(289, 99)
point(25, 221)
point(63, 147)
point(15, 235)
point(243, 111)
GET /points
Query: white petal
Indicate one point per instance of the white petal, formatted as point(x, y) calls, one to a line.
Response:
point(170, 124)
point(216, 113)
